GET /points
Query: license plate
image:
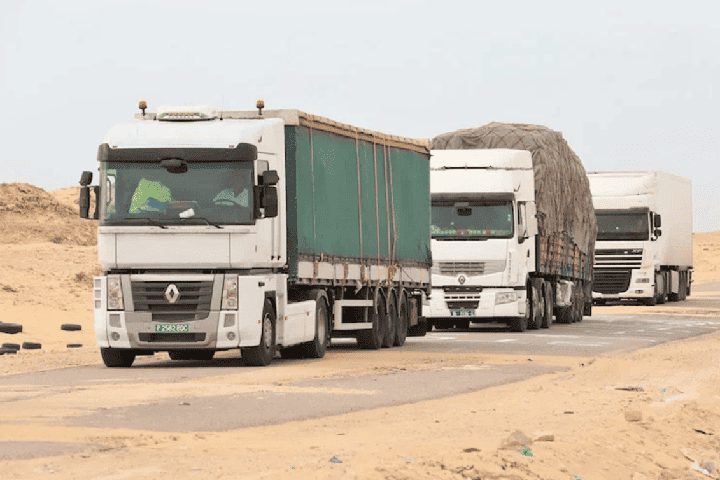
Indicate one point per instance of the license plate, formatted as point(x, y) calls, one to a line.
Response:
point(172, 327)
point(462, 313)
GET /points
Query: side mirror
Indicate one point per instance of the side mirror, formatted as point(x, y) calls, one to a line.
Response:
point(657, 222)
point(85, 200)
point(86, 178)
point(657, 232)
point(270, 202)
point(270, 177)
point(267, 199)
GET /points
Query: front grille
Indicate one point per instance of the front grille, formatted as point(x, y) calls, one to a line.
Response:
point(172, 337)
point(192, 303)
point(462, 305)
point(619, 258)
point(611, 281)
point(456, 268)
point(456, 289)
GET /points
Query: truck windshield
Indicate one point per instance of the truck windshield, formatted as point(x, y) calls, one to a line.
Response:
point(207, 193)
point(473, 219)
point(622, 226)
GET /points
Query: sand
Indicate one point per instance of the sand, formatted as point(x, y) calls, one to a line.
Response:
point(576, 423)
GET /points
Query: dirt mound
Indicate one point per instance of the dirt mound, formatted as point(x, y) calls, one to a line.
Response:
point(29, 214)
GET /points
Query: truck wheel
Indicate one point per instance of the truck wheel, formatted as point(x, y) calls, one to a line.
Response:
point(579, 306)
point(548, 304)
point(262, 354)
point(683, 286)
point(403, 320)
point(520, 324)
point(318, 347)
point(117, 357)
point(538, 309)
point(650, 302)
point(372, 339)
point(392, 321)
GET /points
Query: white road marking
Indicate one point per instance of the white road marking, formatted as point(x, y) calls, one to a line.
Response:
point(505, 340)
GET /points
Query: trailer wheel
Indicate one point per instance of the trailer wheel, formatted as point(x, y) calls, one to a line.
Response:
point(403, 320)
point(263, 354)
point(579, 306)
point(117, 357)
point(683, 286)
point(318, 347)
point(548, 304)
point(392, 320)
point(372, 339)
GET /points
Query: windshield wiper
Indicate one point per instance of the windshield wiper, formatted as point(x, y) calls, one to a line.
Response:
point(150, 220)
point(208, 222)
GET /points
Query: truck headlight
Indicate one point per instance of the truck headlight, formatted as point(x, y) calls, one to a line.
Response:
point(230, 293)
point(114, 294)
point(505, 297)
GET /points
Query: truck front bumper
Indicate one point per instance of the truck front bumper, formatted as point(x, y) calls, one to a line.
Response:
point(483, 305)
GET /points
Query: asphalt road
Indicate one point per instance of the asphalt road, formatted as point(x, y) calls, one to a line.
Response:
point(261, 401)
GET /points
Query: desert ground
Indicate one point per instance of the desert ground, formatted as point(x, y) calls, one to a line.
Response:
point(663, 422)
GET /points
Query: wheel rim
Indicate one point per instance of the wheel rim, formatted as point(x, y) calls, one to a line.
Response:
point(267, 331)
point(322, 323)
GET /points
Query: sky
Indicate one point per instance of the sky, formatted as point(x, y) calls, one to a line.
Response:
point(630, 84)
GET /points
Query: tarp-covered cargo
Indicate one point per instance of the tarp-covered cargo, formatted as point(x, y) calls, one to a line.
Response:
point(562, 191)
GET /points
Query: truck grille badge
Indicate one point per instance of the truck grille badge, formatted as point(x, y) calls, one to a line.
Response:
point(172, 293)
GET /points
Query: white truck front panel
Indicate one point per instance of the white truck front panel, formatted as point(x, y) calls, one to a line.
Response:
point(488, 306)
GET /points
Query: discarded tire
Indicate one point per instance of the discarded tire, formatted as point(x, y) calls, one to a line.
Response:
point(9, 351)
point(31, 346)
point(11, 346)
point(10, 328)
point(74, 345)
point(70, 327)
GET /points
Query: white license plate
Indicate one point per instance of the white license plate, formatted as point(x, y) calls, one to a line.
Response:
point(172, 327)
point(462, 313)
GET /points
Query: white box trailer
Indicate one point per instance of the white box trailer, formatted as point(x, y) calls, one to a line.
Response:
point(644, 242)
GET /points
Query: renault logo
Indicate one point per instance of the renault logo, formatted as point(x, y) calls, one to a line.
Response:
point(172, 293)
point(461, 279)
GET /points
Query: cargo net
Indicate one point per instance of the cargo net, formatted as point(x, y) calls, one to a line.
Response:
point(562, 189)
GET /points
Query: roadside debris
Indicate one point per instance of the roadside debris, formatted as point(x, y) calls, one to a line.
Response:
point(526, 451)
point(631, 388)
point(633, 415)
point(335, 459)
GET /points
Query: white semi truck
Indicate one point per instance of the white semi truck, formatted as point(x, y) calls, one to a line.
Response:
point(644, 241)
point(256, 230)
point(512, 229)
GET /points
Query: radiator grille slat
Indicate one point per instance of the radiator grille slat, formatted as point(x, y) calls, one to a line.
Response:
point(192, 302)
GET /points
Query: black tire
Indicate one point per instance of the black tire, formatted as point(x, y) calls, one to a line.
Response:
point(9, 351)
point(548, 303)
point(372, 339)
point(70, 327)
point(391, 314)
point(117, 357)
point(10, 328)
point(520, 324)
point(263, 354)
point(683, 286)
point(403, 320)
point(537, 307)
point(650, 302)
point(11, 346)
point(74, 345)
point(318, 347)
point(579, 306)
point(31, 346)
